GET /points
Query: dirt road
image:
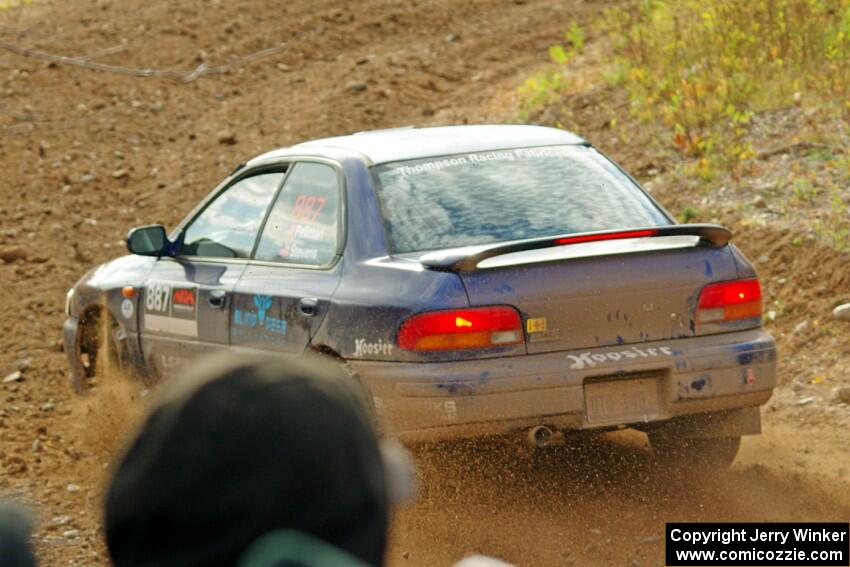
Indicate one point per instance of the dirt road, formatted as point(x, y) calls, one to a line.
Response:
point(605, 502)
point(86, 154)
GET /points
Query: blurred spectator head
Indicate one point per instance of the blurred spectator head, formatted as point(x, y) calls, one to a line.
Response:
point(15, 529)
point(239, 448)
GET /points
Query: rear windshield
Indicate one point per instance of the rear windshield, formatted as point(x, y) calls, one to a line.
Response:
point(499, 196)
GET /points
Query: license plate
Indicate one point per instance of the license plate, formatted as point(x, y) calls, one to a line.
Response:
point(621, 401)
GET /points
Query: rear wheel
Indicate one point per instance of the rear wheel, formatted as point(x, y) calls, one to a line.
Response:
point(695, 452)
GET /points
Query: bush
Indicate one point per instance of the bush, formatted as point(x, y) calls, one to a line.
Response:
point(9, 4)
point(545, 89)
point(706, 66)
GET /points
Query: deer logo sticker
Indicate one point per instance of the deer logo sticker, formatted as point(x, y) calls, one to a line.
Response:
point(262, 303)
point(256, 324)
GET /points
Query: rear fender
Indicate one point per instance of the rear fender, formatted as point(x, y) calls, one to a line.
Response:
point(745, 267)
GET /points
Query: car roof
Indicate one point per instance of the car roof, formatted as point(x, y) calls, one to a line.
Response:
point(399, 144)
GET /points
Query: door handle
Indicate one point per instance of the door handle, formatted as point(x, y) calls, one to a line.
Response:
point(308, 306)
point(217, 298)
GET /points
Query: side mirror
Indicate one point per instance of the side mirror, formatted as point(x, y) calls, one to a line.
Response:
point(842, 312)
point(148, 240)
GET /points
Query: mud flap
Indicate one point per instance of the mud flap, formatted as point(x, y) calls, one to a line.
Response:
point(70, 329)
point(731, 423)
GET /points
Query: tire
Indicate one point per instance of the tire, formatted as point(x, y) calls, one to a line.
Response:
point(706, 453)
point(101, 349)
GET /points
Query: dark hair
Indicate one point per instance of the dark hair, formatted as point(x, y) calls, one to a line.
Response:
point(243, 447)
point(15, 529)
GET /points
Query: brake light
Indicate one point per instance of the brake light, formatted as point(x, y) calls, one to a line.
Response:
point(477, 327)
point(606, 236)
point(729, 301)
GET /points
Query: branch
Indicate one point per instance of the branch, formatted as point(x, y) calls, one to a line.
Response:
point(186, 76)
point(104, 52)
point(792, 148)
point(16, 31)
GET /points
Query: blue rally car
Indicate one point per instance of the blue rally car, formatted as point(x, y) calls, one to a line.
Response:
point(475, 279)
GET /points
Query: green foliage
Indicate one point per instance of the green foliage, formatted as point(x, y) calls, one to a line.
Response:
point(562, 54)
point(822, 154)
point(558, 54)
point(9, 4)
point(546, 88)
point(687, 214)
point(836, 226)
point(575, 37)
point(805, 191)
point(542, 90)
point(704, 67)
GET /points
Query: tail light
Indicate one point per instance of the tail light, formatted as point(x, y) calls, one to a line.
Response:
point(478, 327)
point(729, 301)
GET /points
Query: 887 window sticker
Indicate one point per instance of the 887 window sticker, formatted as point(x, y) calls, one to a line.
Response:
point(171, 309)
point(157, 297)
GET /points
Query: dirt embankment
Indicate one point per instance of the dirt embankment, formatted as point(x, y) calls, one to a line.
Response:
point(87, 154)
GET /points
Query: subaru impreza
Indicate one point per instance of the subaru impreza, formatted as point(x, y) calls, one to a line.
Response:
point(476, 280)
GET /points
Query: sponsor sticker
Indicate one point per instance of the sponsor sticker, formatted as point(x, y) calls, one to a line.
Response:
point(536, 325)
point(295, 251)
point(538, 330)
point(308, 232)
point(256, 325)
point(183, 303)
point(447, 410)
point(171, 309)
point(308, 207)
point(363, 348)
point(547, 335)
point(172, 363)
point(589, 360)
point(127, 308)
point(476, 158)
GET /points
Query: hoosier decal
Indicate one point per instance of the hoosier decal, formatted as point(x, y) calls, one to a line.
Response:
point(587, 359)
point(171, 309)
point(363, 348)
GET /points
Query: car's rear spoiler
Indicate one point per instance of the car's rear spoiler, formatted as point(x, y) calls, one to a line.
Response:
point(467, 259)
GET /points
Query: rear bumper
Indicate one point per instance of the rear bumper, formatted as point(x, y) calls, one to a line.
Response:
point(701, 375)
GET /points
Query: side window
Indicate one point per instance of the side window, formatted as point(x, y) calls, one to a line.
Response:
point(228, 227)
point(303, 224)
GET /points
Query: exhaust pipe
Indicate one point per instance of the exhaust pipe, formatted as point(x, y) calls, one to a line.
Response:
point(540, 436)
